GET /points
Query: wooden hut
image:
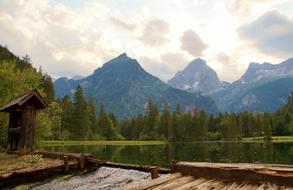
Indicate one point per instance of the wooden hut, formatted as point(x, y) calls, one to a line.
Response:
point(22, 121)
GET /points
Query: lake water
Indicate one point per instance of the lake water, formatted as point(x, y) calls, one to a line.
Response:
point(267, 153)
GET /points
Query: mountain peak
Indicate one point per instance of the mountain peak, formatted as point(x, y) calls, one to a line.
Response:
point(123, 55)
point(198, 61)
point(197, 76)
point(122, 65)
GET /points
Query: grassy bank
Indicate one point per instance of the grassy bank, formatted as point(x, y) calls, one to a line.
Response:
point(113, 143)
point(275, 139)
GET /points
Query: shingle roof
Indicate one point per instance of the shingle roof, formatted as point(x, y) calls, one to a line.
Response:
point(17, 102)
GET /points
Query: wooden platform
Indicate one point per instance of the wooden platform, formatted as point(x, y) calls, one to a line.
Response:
point(213, 176)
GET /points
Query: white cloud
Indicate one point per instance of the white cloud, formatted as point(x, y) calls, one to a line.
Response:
point(271, 34)
point(119, 22)
point(246, 7)
point(155, 32)
point(231, 69)
point(69, 37)
point(192, 43)
point(164, 66)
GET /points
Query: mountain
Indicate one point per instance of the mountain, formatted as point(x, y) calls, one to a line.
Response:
point(266, 72)
point(124, 87)
point(77, 77)
point(268, 97)
point(252, 89)
point(197, 76)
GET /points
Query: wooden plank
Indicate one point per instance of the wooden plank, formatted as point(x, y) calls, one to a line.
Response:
point(204, 186)
point(192, 184)
point(176, 183)
point(227, 185)
point(220, 186)
point(236, 172)
point(249, 187)
point(234, 186)
point(153, 183)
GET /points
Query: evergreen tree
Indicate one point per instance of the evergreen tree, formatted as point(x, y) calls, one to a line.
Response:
point(102, 121)
point(166, 123)
point(92, 119)
point(66, 117)
point(151, 123)
point(81, 124)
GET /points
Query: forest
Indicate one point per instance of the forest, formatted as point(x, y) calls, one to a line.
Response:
point(76, 118)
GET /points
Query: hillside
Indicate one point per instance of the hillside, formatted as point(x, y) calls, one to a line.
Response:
point(124, 87)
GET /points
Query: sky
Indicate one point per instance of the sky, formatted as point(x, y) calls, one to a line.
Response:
point(75, 37)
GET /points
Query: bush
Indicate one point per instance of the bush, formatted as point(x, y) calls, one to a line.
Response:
point(34, 158)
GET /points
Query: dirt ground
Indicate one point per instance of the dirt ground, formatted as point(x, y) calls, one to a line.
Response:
point(11, 162)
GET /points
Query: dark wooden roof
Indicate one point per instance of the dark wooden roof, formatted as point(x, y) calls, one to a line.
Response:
point(17, 102)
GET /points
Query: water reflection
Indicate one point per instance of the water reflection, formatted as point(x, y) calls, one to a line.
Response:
point(270, 153)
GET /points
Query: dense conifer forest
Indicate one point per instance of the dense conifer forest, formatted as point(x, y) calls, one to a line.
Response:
point(76, 118)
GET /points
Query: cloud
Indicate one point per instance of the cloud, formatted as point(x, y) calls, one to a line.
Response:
point(231, 69)
point(119, 22)
point(61, 39)
point(155, 32)
point(243, 7)
point(165, 66)
point(224, 59)
point(192, 43)
point(271, 34)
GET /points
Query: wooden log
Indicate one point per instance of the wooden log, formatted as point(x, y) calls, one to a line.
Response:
point(236, 172)
point(66, 164)
point(94, 161)
point(82, 162)
point(154, 172)
point(59, 155)
point(36, 174)
point(153, 183)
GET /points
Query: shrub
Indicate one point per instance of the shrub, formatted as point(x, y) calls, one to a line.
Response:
point(34, 158)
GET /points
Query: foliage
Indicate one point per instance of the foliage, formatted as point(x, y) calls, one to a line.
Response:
point(34, 158)
point(18, 76)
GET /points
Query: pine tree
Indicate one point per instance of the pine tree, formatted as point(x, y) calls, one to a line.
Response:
point(102, 121)
point(152, 114)
point(166, 123)
point(81, 123)
point(66, 117)
point(92, 119)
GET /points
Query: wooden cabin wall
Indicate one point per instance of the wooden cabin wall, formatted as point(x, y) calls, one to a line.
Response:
point(27, 137)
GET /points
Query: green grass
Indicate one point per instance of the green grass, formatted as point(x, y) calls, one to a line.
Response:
point(113, 143)
point(276, 139)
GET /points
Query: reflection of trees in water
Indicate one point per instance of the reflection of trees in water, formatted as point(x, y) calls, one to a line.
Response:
point(161, 155)
point(189, 151)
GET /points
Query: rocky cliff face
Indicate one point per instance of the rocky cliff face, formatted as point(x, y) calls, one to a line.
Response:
point(197, 76)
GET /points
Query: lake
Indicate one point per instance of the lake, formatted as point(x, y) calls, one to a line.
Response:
point(161, 154)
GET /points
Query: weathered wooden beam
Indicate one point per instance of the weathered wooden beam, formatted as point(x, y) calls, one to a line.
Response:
point(60, 155)
point(35, 174)
point(153, 183)
point(236, 172)
point(175, 183)
point(192, 184)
